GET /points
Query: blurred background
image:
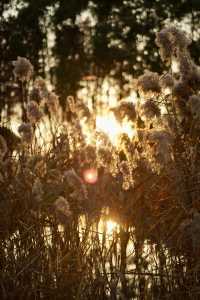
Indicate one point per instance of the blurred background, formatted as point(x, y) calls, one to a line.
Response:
point(127, 196)
point(81, 45)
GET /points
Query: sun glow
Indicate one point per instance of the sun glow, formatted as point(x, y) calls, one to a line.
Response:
point(111, 226)
point(108, 124)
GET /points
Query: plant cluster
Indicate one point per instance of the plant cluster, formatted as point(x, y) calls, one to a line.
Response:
point(56, 201)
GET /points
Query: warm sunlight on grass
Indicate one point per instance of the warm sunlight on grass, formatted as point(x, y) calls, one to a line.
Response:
point(110, 226)
point(108, 124)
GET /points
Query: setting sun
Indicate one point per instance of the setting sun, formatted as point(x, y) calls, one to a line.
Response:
point(99, 157)
point(111, 226)
point(108, 124)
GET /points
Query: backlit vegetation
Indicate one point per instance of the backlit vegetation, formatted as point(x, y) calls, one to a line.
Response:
point(102, 202)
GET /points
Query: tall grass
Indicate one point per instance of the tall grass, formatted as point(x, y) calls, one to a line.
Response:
point(54, 233)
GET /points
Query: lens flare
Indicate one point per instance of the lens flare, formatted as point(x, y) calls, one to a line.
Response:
point(90, 175)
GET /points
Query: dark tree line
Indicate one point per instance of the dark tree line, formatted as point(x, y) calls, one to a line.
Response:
point(108, 46)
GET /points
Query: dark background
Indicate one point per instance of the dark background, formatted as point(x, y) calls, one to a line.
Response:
point(105, 47)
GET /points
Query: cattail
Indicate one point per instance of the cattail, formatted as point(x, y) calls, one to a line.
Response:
point(23, 69)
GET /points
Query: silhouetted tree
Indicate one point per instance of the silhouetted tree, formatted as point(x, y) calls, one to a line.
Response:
point(121, 40)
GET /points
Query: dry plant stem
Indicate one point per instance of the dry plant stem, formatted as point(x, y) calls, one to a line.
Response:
point(148, 185)
point(124, 238)
point(24, 101)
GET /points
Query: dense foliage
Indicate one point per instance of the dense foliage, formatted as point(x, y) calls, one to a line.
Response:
point(98, 38)
point(63, 181)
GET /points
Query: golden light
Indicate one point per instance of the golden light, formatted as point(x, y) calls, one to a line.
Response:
point(110, 226)
point(108, 124)
point(90, 175)
point(87, 132)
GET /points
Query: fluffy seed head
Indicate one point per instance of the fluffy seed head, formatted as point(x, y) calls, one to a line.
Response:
point(169, 40)
point(149, 110)
point(23, 69)
point(41, 86)
point(26, 132)
point(33, 112)
point(62, 206)
point(52, 102)
point(166, 81)
point(37, 190)
point(149, 83)
point(125, 109)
